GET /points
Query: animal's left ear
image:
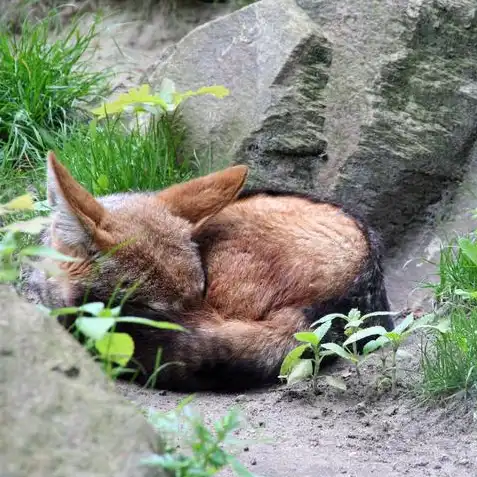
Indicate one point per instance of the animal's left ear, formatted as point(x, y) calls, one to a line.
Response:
point(80, 215)
point(200, 199)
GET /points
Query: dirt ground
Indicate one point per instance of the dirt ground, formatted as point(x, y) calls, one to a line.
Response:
point(360, 432)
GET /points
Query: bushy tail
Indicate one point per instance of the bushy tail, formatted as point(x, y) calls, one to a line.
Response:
point(368, 294)
point(216, 354)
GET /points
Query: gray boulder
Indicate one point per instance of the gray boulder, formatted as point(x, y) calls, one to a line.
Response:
point(59, 416)
point(275, 62)
point(370, 102)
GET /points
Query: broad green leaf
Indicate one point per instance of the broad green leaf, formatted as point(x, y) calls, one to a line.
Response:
point(291, 358)
point(354, 314)
point(301, 371)
point(163, 325)
point(469, 249)
point(116, 311)
point(354, 324)
point(8, 247)
point(424, 320)
point(329, 317)
point(23, 202)
point(465, 293)
point(116, 347)
point(443, 326)
point(134, 99)
point(33, 226)
point(392, 336)
point(379, 313)
point(307, 337)
point(373, 330)
point(70, 310)
point(94, 328)
point(103, 183)
point(374, 345)
point(93, 129)
point(339, 351)
point(105, 313)
point(8, 275)
point(47, 252)
point(405, 324)
point(336, 383)
point(322, 329)
point(165, 461)
point(217, 91)
point(94, 308)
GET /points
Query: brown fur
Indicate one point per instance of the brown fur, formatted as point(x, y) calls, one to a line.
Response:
point(239, 272)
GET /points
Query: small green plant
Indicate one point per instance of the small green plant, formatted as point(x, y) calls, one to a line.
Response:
point(295, 368)
point(354, 321)
point(395, 338)
point(114, 349)
point(43, 85)
point(141, 100)
point(190, 448)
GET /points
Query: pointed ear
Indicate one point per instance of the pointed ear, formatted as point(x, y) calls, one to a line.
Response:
point(200, 199)
point(80, 213)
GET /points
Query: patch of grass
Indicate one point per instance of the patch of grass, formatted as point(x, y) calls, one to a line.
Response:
point(43, 85)
point(449, 357)
point(449, 361)
point(108, 158)
point(456, 271)
point(16, 182)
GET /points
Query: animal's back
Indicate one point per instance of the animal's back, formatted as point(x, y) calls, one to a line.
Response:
point(264, 253)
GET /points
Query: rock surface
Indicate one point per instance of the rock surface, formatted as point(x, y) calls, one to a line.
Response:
point(274, 60)
point(369, 102)
point(59, 417)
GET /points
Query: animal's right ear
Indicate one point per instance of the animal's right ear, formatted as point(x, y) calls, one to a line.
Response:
point(79, 213)
point(199, 199)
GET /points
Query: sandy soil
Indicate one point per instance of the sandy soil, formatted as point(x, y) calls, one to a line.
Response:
point(361, 432)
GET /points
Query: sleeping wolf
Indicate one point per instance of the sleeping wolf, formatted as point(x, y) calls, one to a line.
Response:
point(242, 270)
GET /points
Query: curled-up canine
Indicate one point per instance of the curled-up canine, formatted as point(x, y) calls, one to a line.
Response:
point(242, 270)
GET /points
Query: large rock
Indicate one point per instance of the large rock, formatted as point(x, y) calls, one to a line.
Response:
point(394, 111)
point(275, 61)
point(59, 416)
